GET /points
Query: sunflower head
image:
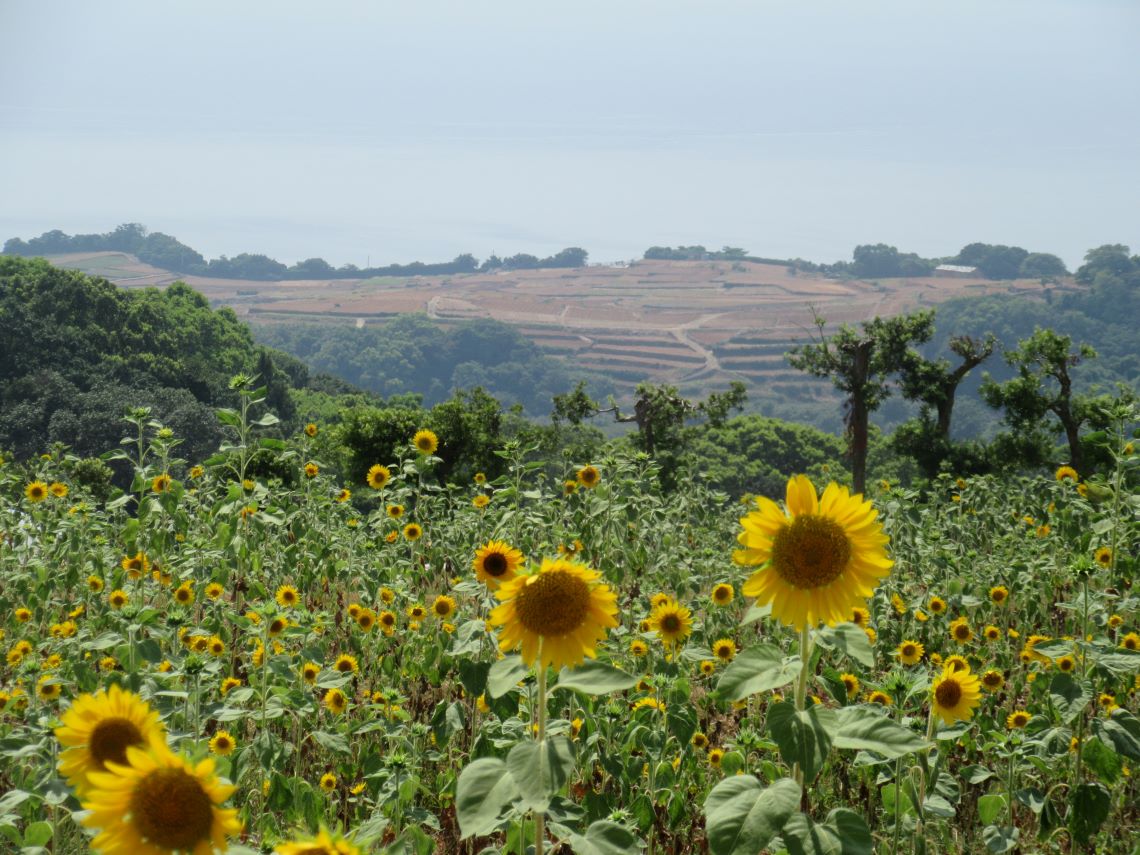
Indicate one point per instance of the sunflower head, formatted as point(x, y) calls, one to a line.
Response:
point(954, 695)
point(992, 633)
point(937, 605)
point(335, 701)
point(161, 484)
point(425, 442)
point(1066, 473)
point(443, 606)
point(36, 492)
point(1017, 719)
point(671, 621)
point(288, 596)
point(346, 664)
point(589, 477)
point(309, 672)
point(722, 594)
point(325, 843)
point(413, 532)
point(960, 630)
point(999, 595)
point(821, 557)
point(1131, 641)
point(910, 652)
point(496, 562)
point(222, 743)
point(378, 477)
point(159, 802)
point(724, 649)
point(850, 683)
point(556, 616)
point(1103, 556)
point(481, 501)
point(880, 698)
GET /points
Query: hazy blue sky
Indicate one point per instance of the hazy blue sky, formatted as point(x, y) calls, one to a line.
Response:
point(419, 130)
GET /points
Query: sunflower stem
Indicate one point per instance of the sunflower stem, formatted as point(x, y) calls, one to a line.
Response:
point(801, 688)
point(540, 692)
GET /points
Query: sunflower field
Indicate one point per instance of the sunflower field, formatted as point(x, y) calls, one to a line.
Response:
point(219, 660)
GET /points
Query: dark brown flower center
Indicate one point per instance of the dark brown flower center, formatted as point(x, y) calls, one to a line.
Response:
point(948, 693)
point(495, 564)
point(554, 603)
point(171, 809)
point(810, 552)
point(671, 623)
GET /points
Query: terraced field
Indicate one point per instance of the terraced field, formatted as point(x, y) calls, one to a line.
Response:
point(699, 324)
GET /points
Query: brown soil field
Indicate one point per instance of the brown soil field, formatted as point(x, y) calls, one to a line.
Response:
point(684, 322)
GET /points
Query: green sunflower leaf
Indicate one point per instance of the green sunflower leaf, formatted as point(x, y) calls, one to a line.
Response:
point(742, 815)
point(761, 668)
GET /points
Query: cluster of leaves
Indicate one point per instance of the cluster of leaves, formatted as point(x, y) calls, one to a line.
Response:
point(993, 261)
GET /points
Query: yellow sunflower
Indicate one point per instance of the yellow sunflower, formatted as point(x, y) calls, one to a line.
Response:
point(443, 606)
point(1017, 719)
point(137, 565)
point(1131, 641)
point(496, 562)
point(851, 684)
point(671, 621)
point(222, 743)
point(346, 664)
point(638, 647)
point(336, 701)
point(312, 470)
point(311, 429)
point(394, 511)
point(481, 501)
point(161, 484)
point(954, 695)
point(413, 532)
point(288, 596)
point(880, 698)
point(118, 598)
point(1066, 473)
point(309, 672)
point(214, 590)
point(325, 843)
point(387, 620)
point(159, 803)
point(724, 649)
point(722, 594)
point(860, 616)
point(937, 605)
point(557, 615)
point(1103, 556)
point(36, 492)
point(328, 782)
point(366, 619)
point(960, 630)
point(589, 476)
point(910, 652)
point(378, 477)
point(820, 560)
point(58, 489)
point(999, 594)
point(425, 442)
point(1065, 664)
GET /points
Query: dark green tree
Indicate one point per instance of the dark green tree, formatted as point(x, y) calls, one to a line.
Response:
point(859, 364)
point(1043, 385)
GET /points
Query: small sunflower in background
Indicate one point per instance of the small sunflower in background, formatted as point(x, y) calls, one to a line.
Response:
point(222, 743)
point(1066, 473)
point(425, 441)
point(851, 684)
point(324, 843)
point(36, 492)
point(287, 596)
point(589, 477)
point(910, 652)
point(443, 607)
point(413, 532)
point(819, 559)
point(671, 621)
point(722, 594)
point(954, 695)
point(1017, 719)
point(378, 477)
point(161, 484)
point(1103, 556)
point(724, 649)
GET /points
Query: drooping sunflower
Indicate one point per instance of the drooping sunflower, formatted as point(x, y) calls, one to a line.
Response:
point(496, 562)
point(58, 489)
point(722, 594)
point(378, 477)
point(36, 492)
point(325, 843)
point(589, 477)
point(1066, 473)
point(557, 615)
point(287, 596)
point(1017, 719)
point(158, 803)
point(425, 441)
point(954, 695)
point(724, 649)
point(820, 559)
point(161, 483)
point(910, 652)
point(443, 606)
point(413, 532)
point(671, 621)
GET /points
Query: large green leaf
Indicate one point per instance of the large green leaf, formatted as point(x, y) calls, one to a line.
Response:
point(485, 788)
point(595, 678)
point(866, 729)
point(742, 815)
point(804, 737)
point(1122, 730)
point(605, 838)
point(1000, 838)
point(850, 640)
point(1069, 696)
point(1091, 805)
point(844, 833)
point(505, 674)
point(757, 669)
point(540, 769)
